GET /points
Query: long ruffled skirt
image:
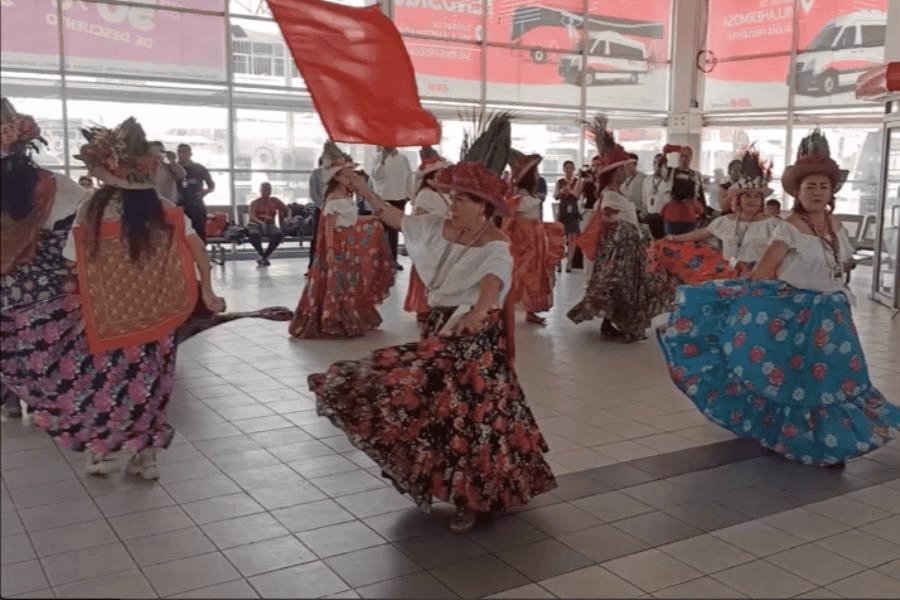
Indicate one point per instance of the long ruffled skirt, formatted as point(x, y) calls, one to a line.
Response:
point(341, 297)
point(692, 263)
point(778, 364)
point(443, 417)
point(537, 248)
point(97, 402)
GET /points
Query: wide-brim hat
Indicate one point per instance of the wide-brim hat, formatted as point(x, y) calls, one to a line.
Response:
point(813, 158)
point(795, 174)
point(520, 164)
point(426, 169)
point(615, 158)
point(328, 174)
point(473, 178)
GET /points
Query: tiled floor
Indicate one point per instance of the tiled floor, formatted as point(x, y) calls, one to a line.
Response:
point(260, 497)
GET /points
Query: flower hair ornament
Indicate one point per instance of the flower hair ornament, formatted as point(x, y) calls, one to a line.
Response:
point(18, 132)
point(120, 157)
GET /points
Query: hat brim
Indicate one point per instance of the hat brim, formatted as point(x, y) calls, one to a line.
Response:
point(500, 207)
point(615, 165)
point(530, 163)
point(436, 166)
point(329, 174)
point(118, 182)
point(794, 175)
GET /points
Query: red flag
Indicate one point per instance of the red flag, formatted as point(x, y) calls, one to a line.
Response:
point(357, 71)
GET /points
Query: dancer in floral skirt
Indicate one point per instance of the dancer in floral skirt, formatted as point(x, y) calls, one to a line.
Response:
point(426, 201)
point(353, 269)
point(537, 247)
point(744, 234)
point(445, 417)
point(619, 290)
point(778, 358)
point(37, 212)
point(95, 360)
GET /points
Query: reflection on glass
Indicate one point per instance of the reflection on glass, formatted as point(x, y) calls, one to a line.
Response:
point(203, 127)
point(260, 56)
point(886, 276)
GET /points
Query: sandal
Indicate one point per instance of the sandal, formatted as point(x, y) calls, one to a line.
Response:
point(463, 521)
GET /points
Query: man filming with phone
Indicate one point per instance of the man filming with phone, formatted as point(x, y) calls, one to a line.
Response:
point(169, 173)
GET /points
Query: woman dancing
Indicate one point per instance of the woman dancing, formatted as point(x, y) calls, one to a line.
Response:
point(778, 358)
point(426, 201)
point(445, 417)
point(352, 272)
point(537, 247)
point(95, 361)
point(744, 234)
point(619, 290)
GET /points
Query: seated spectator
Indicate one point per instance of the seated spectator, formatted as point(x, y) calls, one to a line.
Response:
point(773, 208)
point(262, 214)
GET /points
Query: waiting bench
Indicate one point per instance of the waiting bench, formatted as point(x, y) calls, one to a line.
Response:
point(219, 246)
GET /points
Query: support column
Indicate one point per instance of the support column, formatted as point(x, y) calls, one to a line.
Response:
point(688, 32)
point(892, 39)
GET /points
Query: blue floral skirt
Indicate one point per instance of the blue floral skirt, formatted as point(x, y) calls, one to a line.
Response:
point(778, 364)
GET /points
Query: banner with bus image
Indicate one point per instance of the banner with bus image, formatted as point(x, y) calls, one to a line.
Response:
point(536, 48)
point(838, 39)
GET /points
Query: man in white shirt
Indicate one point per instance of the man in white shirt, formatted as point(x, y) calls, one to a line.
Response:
point(633, 186)
point(390, 178)
point(655, 194)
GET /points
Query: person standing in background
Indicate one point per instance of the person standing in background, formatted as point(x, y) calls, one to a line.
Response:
point(193, 191)
point(87, 183)
point(390, 176)
point(655, 195)
point(633, 186)
point(317, 195)
point(169, 173)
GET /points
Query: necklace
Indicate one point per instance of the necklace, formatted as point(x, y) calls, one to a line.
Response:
point(830, 245)
point(440, 272)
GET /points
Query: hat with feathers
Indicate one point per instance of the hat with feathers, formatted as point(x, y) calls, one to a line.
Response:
point(612, 155)
point(813, 158)
point(20, 132)
point(755, 174)
point(120, 157)
point(483, 156)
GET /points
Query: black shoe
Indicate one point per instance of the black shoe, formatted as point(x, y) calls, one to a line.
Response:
point(266, 262)
point(398, 266)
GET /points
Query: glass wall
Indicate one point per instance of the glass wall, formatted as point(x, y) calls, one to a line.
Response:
point(217, 75)
point(758, 71)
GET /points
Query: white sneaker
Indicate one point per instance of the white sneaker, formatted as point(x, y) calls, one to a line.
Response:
point(96, 464)
point(144, 464)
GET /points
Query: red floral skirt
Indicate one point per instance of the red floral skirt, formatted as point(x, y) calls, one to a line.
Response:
point(444, 418)
point(537, 248)
point(692, 263)
point(416, 297)
point(340, 297)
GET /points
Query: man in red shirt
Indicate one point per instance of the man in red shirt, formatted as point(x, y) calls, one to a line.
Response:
point(263, 213)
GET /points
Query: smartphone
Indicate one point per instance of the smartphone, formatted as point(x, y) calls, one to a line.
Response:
point(673, 159)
